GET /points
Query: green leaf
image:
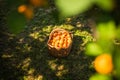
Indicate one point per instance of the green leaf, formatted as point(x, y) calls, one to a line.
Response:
point(16, 22)
point(100, 77)
point(105, 4)
point(93, 49)
point(106, 31)
point(106, 45)
point(73, 7)
point(14, 3)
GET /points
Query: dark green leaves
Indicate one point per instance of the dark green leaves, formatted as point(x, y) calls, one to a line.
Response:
point(116, 60)
point(16, 22)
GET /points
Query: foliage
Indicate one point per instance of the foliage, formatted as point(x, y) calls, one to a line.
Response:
point(14, 19)
point(106, 33)
point(73, 7)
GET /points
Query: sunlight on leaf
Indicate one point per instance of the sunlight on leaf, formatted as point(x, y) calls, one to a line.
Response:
point(39, 77)
point(93, 49)
point(6, 55)
point(16, 22)
point(31, 71)
point(100, 77)
point(73, 7)
point(85, 36)
point(52, 64)
point(60, 67)
point(61, 73)
point(34, 35)
point(47, 28)
point(67, 27)
point(25, 64)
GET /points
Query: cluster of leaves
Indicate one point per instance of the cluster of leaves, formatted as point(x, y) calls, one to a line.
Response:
point(105, 43)
point(73, 7)
point(106, 34)
point(21, 12)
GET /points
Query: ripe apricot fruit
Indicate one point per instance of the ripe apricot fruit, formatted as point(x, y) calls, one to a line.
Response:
point(26, 10)
point(60, 39)
point(38, 3)
point(22, 8)
point(29, 13)
point(103, 64)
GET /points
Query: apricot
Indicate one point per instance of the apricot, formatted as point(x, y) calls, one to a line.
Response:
point(22, 8)
point(103, 63)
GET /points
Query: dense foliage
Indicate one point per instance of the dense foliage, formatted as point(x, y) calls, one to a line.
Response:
point(105, 25)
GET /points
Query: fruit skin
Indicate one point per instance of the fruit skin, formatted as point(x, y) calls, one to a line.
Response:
point(103, 64)
point(26, 10)
point(22, 8)
point(29, 13)
point(38, 3)
point(60, 39)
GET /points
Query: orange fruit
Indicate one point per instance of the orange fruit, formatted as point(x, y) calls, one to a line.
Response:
point(61, 41)
point(52, 43)
point(29, 13)
point(103, 63)
point(55, 34)
point(57, 38)
point(64, 45)
point(57, 45)
point(22, 8)
point(37, 3)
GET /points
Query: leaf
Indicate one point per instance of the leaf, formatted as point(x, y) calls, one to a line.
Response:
point(100, 77)
point(73, 7)
point(93, 49)
point(16, 22)
point(13, 3)
point(105, 4)
point(106, 45)
point(106, 31)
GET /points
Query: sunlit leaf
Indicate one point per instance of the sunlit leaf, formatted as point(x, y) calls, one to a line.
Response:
point(105, 4)
point(106, 31)
point(73, 7)
point(100, 77)
point(16, 22)
point(106, 45)
point(93, 49)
